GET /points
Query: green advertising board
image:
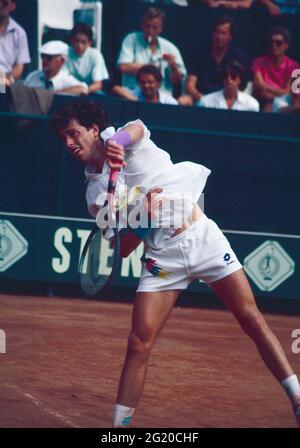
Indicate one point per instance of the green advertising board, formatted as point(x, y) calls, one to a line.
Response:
point(47, 249)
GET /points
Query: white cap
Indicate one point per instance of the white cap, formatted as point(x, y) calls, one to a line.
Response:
point(55, 47)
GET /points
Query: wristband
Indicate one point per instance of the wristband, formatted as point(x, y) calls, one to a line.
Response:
point(122, 138)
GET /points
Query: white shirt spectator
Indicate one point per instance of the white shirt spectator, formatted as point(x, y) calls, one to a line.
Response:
point(63, 80)
point(13, 47)
point(217, 100)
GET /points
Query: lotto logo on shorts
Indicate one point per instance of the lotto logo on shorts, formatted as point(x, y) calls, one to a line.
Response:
point(2, 341)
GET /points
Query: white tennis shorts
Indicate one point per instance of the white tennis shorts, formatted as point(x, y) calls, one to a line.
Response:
point(200, 252)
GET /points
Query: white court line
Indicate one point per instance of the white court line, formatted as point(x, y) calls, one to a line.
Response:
point(49, 411)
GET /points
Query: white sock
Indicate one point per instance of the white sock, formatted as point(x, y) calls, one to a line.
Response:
point(122, 415)
point(292, 388)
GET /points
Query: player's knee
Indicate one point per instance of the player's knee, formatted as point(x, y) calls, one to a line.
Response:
point(138, 347)
point(252, 321)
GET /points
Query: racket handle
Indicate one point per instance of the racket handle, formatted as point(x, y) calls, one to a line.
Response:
point(113, 177)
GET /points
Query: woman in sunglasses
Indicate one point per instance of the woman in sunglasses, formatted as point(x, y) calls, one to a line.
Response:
point(273, 71)
point(232, 95)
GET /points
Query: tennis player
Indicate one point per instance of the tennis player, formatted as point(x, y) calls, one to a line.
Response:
point(174, 255)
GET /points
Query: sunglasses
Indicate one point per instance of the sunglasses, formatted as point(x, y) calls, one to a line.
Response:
point(276, 42)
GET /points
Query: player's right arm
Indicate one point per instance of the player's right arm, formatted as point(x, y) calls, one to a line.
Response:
point(115, 153)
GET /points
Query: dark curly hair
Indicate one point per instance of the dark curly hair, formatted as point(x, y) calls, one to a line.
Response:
point(86, 113)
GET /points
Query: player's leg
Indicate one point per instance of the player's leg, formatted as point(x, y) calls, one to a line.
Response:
point(150, 312)
point(236, 293)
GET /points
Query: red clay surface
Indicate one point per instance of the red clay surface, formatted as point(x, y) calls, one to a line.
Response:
point(63, 360)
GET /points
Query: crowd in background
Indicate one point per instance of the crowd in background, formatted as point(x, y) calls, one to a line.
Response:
point(152, 68)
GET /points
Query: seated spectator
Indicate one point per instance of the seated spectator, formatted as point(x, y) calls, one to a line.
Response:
point(273, 71)
point(232, 95)
point(84, 62)
point(229, 4)
point(54, 75)
point(204, 76)
point(147, 47)
point(149, 79)
point(14, 52)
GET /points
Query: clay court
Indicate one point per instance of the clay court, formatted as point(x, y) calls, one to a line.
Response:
point(63, 359)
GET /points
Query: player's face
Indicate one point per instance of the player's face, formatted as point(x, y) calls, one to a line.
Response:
point(149, 85)
point(80, 141)
point(152, 28)
point(80, 42)
point(222, 35)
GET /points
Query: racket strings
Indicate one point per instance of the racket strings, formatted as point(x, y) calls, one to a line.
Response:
point(93, 272)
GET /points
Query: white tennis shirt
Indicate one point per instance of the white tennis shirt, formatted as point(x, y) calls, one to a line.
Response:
point(149, 166)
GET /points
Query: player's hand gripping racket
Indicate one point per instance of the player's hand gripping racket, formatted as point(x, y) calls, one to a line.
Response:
point(94, 273)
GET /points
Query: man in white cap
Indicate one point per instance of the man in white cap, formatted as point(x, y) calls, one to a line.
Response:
point(54, 75)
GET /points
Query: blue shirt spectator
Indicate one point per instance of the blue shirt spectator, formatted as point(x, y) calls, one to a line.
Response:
point(14, 51)
point(84, 62)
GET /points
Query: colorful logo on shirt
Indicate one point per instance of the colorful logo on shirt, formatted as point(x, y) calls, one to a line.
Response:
point(153, 268)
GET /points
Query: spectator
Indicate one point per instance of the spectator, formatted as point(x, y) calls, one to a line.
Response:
point(54, 75)
point(229, 4)
point(204, 76)
point(84, 62)
point(147, 47)
point(232, 95)
point(273, 71)
point(14, 52)
point(149, 79)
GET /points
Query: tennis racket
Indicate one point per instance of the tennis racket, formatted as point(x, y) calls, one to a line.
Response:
point(99, 260)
